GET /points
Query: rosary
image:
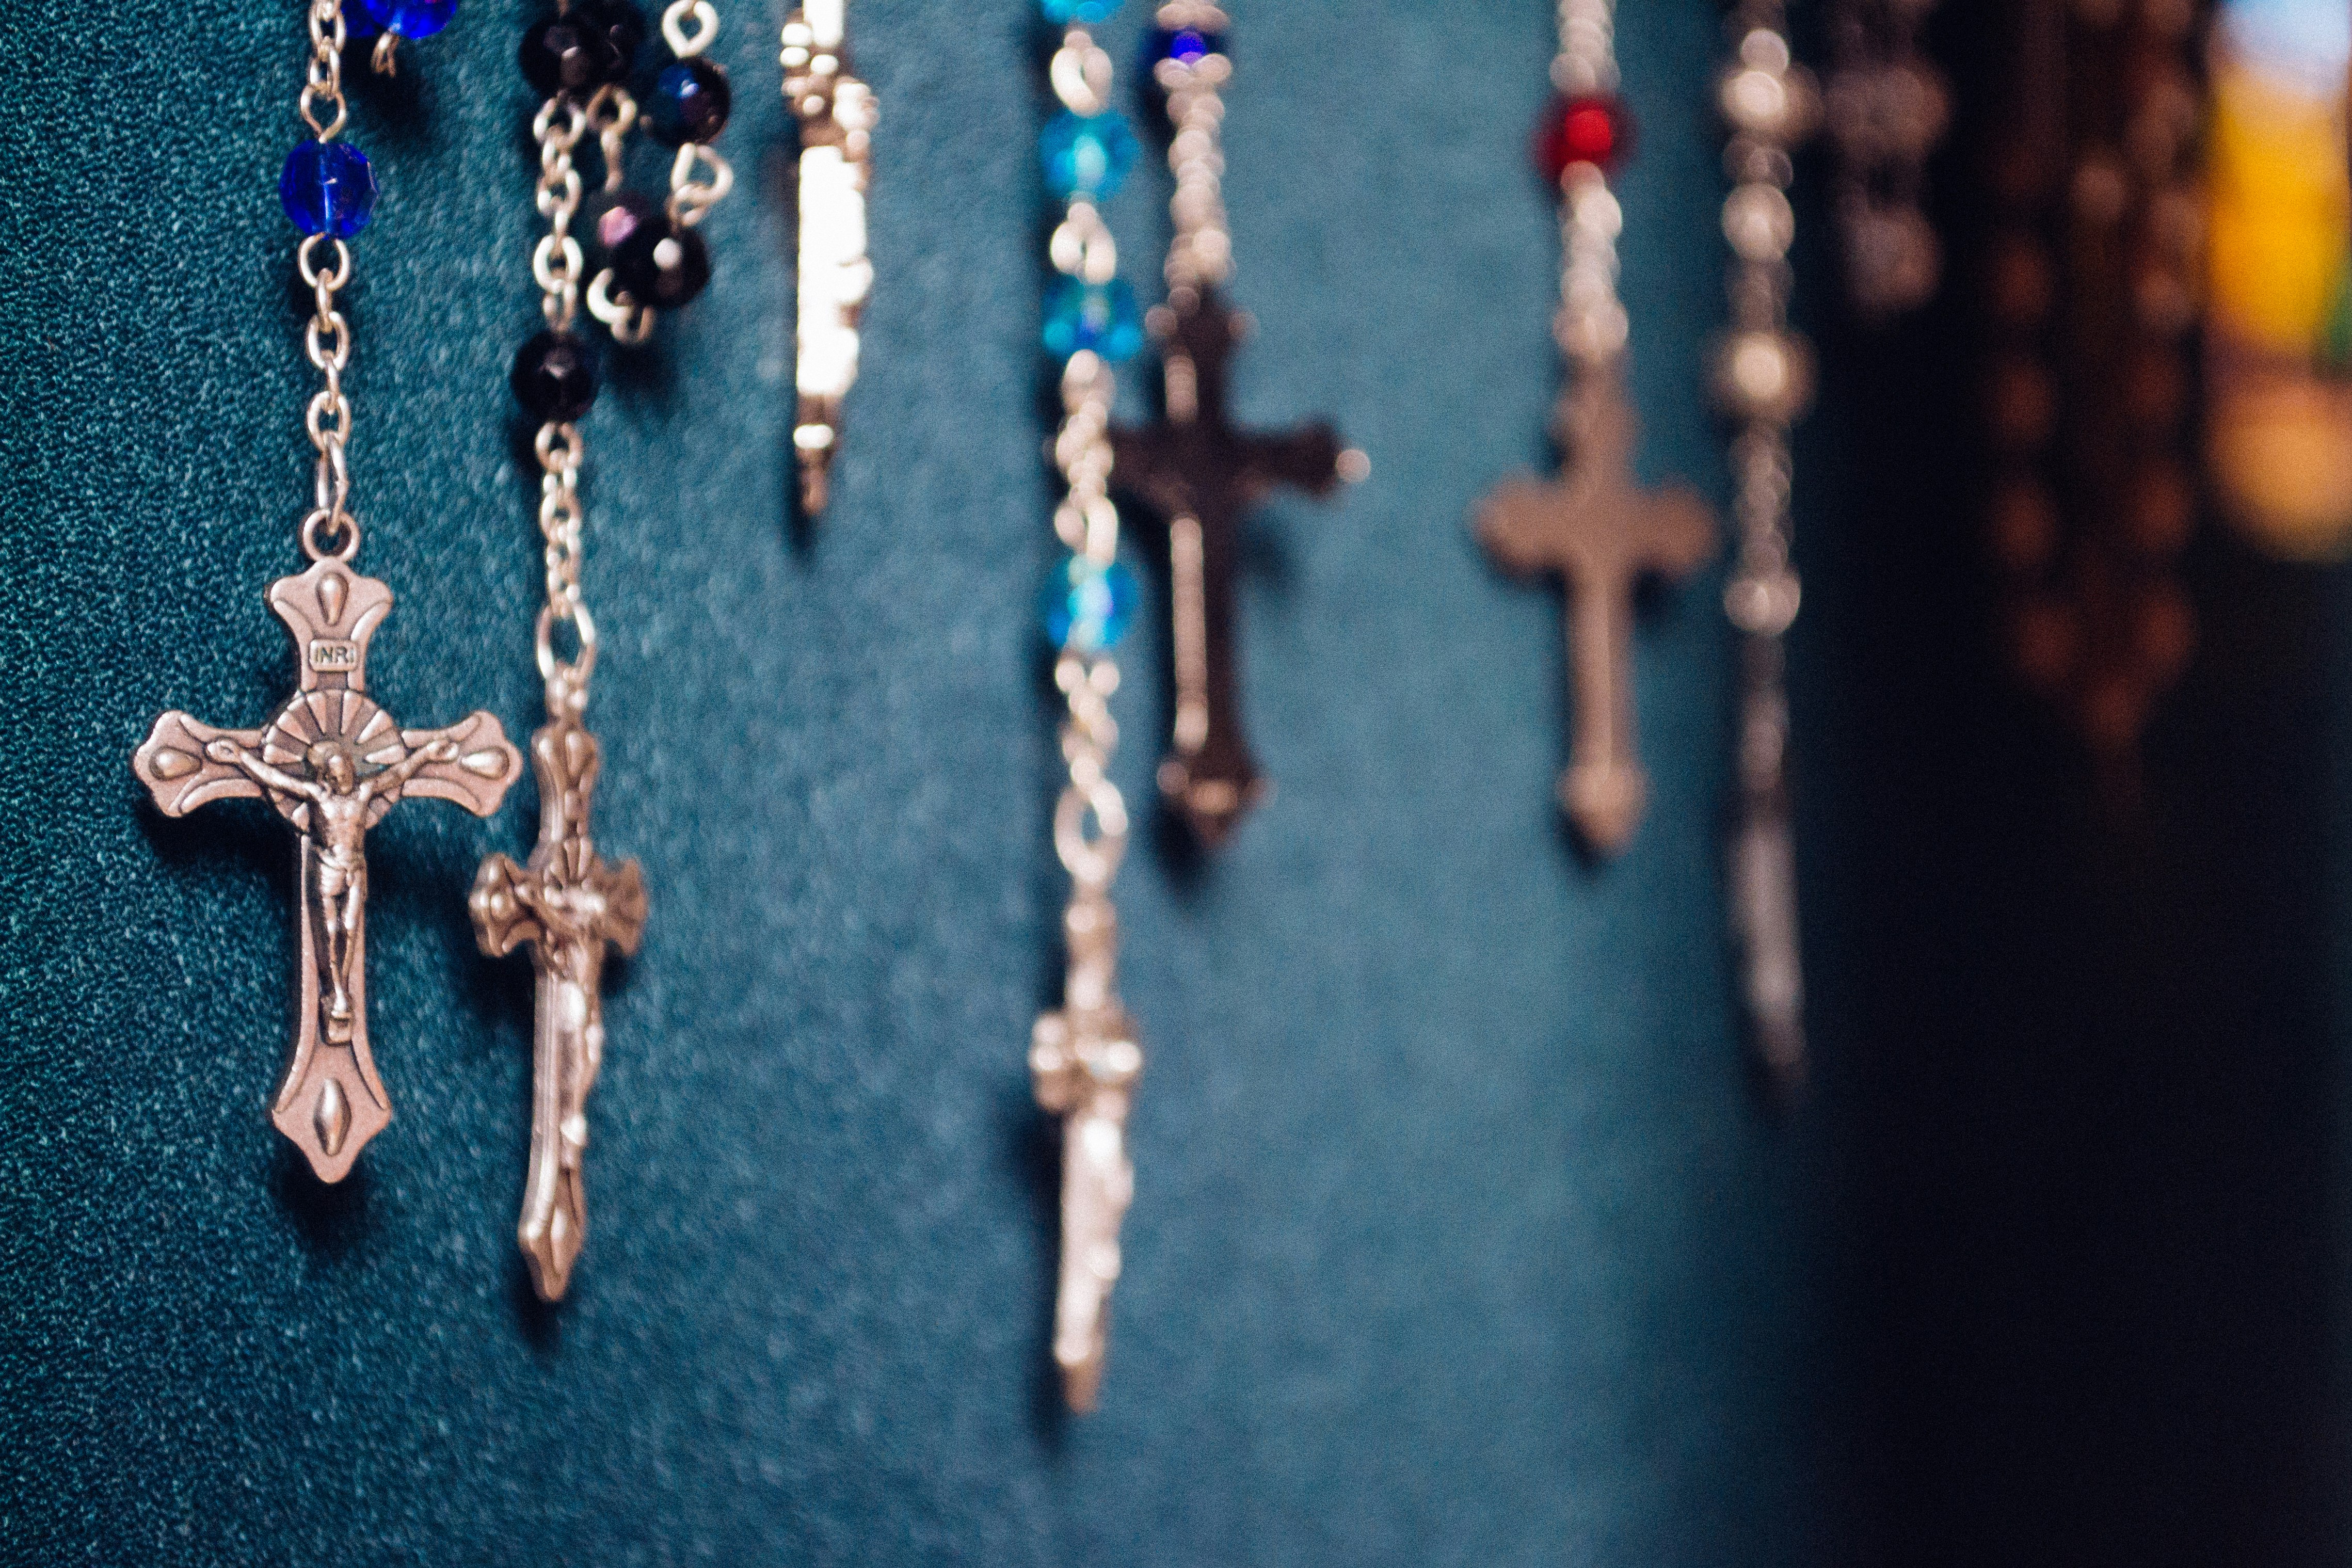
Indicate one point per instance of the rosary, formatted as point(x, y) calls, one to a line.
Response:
point(568, 904)
point(329, 761)
point(609, 261)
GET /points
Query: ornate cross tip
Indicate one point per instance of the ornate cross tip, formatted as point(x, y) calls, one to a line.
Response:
point(332, 763)
point(1602, 533)
point(1086, 1073)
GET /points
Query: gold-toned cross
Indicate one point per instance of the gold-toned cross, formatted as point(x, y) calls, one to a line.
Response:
point(1602, 533)
point(568, 904)
point(332, 763)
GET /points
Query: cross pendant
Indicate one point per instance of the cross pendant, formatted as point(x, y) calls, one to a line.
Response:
point(1203, 476)
point(1602, 533)
point(1083, 1060)
point(332, 763)
point(568, 904)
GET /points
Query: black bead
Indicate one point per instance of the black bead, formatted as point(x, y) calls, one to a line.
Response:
point(554, 377)
point(690, 101)
point(607, 220)
point(662, 264)
point(625, 30)
point(568, 54)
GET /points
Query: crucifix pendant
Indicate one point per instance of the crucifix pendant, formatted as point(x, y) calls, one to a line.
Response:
point(1602, 533)
point(332, 763)
point(568, 904)
point(1203, 476)
point(1084, 1061)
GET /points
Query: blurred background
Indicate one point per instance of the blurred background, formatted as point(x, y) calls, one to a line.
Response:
point(1465, 1234)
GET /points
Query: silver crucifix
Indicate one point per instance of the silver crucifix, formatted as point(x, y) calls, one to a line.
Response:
point(568, 904)
point(332, 763)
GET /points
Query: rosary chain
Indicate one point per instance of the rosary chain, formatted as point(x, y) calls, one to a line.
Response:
point(1200, 254)
point(329, 529)
point(1591, 328)
point(1763, 371)
point(556, 264)
point(1763, 376)
point(1087, 521)
point(689, 26)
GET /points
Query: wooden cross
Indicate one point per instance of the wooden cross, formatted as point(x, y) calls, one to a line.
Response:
point(333, 763)
point(1203, 476)
point(1602, 533)
point(569, 905)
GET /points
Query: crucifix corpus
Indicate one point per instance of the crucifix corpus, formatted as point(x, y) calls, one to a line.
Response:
point(1203, 476)
point(1600, 532)
point(332, 763)
point(568, 904)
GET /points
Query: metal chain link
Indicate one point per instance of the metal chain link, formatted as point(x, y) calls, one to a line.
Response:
point(1200, 254)
point(329, 529)
point(1763, 376)
point(1091, 820)
point(689, 26)
point(556, 263)
point(1591, 328)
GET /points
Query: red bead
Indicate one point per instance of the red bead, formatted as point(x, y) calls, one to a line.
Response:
point(1590, 127)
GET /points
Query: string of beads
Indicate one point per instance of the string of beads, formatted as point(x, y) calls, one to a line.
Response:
point(328, 191)
point(1092, 322)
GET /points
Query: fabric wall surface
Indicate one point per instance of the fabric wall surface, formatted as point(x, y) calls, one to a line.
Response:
point(1460, 1237)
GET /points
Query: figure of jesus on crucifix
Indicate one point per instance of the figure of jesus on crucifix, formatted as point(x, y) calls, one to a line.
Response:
point(340, 801)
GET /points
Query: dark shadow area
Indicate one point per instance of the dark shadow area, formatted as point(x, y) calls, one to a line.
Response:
point(2084, 1096)
point(330, 1218)
point(1031, 1139)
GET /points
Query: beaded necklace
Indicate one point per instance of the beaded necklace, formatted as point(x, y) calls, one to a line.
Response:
point(329, 761)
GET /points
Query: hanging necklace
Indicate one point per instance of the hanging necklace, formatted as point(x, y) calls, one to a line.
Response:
point(639, 257)
point(837, 115)
point(1084, 1056)
point(1763, 379)
point(1194, 467)
point(1594, 526)
point(2093, 307)
point(329, 761)
point(568, 904)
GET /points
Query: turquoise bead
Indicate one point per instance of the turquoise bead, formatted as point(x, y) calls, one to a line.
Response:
point(1103, 317)
point(1087, 156)
point(1062, 13)
point(1087, 606)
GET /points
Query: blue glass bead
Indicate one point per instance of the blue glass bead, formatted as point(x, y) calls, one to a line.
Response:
point(1103, 317)
point(327, 188)
point(690, 103)
point(1185, 46)
point(1087, 607)
point(1087, 156)
point(408, 19)
point(1062, 13)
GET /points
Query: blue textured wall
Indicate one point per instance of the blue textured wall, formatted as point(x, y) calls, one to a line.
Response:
point(1459, 1238)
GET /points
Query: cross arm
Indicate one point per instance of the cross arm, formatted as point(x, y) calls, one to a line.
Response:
point(504, 919)
point(1145, 463)
point(477, 775)
point(1518, 523)
point(174, 766)
point(1304, 460)
point(1679, 534)
point(624, 889)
